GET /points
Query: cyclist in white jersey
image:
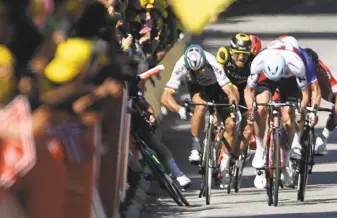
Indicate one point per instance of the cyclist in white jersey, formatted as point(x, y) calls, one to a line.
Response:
point(278, 66)
point(206, 80)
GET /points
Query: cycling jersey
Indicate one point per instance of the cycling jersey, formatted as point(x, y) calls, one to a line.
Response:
point(212, 73)
point(295, 67)
point(236, 75)
point(309, 66)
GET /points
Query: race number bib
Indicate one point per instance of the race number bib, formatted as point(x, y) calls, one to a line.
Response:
point(17, 157)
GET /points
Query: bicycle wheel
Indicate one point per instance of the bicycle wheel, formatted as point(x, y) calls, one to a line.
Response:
point(312, 149)
point(230, 174)
point(164, 180)
point(239, 171)
point(180, 194)
point(276, 165)
point(208, 165)
point(304, 165)
point(269, 172)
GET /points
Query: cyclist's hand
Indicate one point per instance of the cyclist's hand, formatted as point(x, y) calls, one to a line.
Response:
point(182, 113)
point(313, 119)
point(300, 115)
point(251, 116)
point(151, 120)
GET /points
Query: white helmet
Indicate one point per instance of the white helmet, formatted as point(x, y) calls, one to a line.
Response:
point(194, 57)
point(274, 66)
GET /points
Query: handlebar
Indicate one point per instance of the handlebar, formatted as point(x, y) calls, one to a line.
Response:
point(277, 104)
point(322, 109)
point(188, 103)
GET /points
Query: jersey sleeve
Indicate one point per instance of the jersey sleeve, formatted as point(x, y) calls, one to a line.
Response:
point(332, 80)
point(256, 69)
point(178, 73)
point(218, 70)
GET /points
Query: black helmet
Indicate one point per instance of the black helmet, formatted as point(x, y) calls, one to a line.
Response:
point(241, 43)
point(312, 54)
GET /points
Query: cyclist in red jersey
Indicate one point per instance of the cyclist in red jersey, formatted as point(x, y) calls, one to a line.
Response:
point(328, 85)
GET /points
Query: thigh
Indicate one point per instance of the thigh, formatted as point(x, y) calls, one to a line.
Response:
point(195, 91)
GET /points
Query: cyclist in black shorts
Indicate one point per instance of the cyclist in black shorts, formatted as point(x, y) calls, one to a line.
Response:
point(236, 60)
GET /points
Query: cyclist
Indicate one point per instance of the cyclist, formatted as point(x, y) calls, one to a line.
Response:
point(328, 86)
point(206, 80)
point(160, 148)
point(236, 60)
point(278, 66)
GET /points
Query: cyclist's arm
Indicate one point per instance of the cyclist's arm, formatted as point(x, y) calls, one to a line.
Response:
point(315, 94)
point(231, 92)
point(222, 79)
point(172, 85)
point(303, 85)
point(250, 89)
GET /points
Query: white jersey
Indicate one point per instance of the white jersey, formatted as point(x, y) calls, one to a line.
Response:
point(213, 73)
point(295, 65)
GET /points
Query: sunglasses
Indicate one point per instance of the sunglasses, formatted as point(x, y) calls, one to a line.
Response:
point(238, 52)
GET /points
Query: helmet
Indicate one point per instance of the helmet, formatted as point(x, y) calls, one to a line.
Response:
point(312, 54)
point(241, 43)
point(256, 44)
point(274, 66)
point(194, 57)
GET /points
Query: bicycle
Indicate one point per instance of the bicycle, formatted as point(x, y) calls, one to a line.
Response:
point(236, 166)
point(139, 129)
point(209, 157)
point(304, 166)
point(274, 148)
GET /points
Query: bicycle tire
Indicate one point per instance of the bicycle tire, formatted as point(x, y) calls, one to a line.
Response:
point(304, 167)
point(276, 163)
point(230, 174)
point(164, 180)
point(208, 168)
point(312, 149)
point(268, 174)
point(180, 194)
point(239, 171)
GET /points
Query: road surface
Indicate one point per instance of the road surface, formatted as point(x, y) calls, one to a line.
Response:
point(312, 29)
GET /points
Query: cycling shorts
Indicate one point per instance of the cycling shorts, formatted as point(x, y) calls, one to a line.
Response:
point(287, 87)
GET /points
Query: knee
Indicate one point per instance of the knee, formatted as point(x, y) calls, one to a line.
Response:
point(200, 110)
point(262, 111)
point(287, 121)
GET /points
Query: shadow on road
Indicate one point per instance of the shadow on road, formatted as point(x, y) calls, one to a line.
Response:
point(291, 215)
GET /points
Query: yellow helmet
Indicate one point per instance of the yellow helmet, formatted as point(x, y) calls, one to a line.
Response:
point(6, 56)
point(70, 59)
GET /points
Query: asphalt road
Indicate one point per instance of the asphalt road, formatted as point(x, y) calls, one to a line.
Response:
point(315, 25)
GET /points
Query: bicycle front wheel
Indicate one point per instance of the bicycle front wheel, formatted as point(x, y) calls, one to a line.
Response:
point(164, 180)
point(304, 164)
point(277, 166)
point(208, 165)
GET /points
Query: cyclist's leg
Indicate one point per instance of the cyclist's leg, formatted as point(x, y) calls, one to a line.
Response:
point(289, 92)
point(246, 129)
point(215, 93)
point(263, 95)
point(165, 155)
point(321, 140)
point(197, 121)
